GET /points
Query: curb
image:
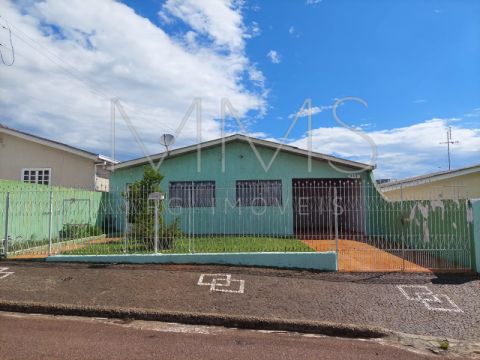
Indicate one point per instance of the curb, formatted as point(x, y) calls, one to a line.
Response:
point(241, 322)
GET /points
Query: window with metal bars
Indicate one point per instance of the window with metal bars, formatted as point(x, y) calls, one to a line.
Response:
point(259, 192)
point(192, 194)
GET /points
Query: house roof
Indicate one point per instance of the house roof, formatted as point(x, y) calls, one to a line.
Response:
point(428, 178)
point(252, 141)
point(54, 144)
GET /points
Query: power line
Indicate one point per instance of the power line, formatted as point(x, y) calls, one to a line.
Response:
point(67, 66)
point(11, 45)
point(66, 69)
point(73, 72)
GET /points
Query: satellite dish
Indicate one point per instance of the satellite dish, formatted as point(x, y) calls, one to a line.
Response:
point(167, 140)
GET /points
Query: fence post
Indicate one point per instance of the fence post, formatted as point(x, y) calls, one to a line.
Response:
point(50, 214)
point(5, 240)
point(402, 227)
point(475, 226)
point(335, 214)
point(156, 226)
point(190, 221)
point(125, 224)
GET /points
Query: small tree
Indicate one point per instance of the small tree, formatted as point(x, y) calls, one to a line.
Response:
point(141, 212)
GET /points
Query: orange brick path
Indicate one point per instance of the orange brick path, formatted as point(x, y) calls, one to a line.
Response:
point(357, 256)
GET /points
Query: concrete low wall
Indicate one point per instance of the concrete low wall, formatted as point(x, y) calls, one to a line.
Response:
point(326, 261)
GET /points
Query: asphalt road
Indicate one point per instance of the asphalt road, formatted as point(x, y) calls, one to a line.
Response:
point(450, 305)
point(44, 337)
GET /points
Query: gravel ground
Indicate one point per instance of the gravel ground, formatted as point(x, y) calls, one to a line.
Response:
point(362, 299)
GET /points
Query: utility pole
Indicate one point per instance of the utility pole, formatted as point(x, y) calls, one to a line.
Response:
point(448, 142)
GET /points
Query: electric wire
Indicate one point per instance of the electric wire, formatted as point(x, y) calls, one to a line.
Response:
point(74, 73)
point(11, 45)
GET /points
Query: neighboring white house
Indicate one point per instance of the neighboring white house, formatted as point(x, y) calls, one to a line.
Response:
point(33, 159)
point(461, 183)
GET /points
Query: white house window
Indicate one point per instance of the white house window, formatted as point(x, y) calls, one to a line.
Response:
point(192, 194)
point(259, 192)
point(36, 176)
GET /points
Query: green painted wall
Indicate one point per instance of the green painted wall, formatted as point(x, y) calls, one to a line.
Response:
point(30, 205)
point(438, 225)
point(240, 164)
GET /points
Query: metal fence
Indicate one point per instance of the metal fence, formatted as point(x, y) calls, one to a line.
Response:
point(368, 232)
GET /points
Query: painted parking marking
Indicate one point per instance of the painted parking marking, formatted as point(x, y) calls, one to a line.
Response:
point(222, 283)
point(431, 301)
point(4, 273)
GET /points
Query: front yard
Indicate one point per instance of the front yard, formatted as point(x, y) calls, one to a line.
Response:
point(198, 245)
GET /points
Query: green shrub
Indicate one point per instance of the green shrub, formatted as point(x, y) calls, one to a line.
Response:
point(141, 213)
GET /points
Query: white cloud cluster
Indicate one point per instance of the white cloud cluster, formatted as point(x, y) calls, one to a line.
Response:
point(217, 19)
point(403, 151)
point(73, 56)
point(274, 56)
point(311, 111)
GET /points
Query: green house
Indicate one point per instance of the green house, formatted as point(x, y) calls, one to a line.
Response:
point(241, 185)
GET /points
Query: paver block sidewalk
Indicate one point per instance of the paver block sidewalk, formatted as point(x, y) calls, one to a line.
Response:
point(361, 299)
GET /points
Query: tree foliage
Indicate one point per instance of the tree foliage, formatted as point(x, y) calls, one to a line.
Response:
point(141, 213)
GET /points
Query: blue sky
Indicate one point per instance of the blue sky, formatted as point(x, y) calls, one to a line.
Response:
point(410, 60)
point(416, 64)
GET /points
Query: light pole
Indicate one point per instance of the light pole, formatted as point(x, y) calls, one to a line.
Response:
point(448, 142)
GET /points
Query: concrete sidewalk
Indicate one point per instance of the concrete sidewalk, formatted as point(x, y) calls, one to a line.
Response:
point(440, 306)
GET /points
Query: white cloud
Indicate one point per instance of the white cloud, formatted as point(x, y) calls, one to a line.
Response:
point(403, 151)
point(218, 19)
point(254, 30)
point(474, 113)
point(419, 101)
point(366, 125)
point(291, 30)
point(119, 53)
point(256, 76)
point(165, 18)
point(255, 7)
point(274, 57)
point(313, 2)
point(312, 111)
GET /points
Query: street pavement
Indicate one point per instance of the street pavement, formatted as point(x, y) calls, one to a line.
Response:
point(47, 337)
point(445, 306)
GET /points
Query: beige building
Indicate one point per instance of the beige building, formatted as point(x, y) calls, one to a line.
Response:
point(462, 183)
point(32, 159)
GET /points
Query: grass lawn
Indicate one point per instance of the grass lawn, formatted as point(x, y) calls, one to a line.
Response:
point(200, 245)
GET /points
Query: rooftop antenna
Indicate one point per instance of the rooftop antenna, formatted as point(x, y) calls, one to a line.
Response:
point(167, 140)
point(448, 142)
